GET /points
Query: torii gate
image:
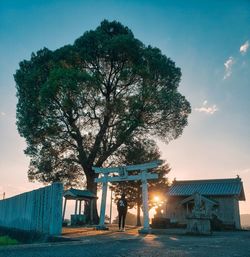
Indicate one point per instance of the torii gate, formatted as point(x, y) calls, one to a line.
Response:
point(144, 175)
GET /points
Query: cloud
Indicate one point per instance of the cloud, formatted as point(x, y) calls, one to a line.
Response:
point(228, 67)
point(207, 109)
point(245, 171)
point(244, 47)
point(231, 60)
point(205, 102)
point(2, 113)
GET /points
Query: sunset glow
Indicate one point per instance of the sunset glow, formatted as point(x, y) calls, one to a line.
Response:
point(208, 40)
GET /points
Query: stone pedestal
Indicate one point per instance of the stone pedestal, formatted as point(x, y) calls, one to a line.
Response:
point(198, 226)
point(160, 222)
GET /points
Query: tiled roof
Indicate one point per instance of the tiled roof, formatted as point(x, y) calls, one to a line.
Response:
point(208, 187)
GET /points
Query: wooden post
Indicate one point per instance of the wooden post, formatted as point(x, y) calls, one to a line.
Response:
point(91, 211)
point(76, 207)
point(80, 206)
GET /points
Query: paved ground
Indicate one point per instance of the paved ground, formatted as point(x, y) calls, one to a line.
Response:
point(129, 244)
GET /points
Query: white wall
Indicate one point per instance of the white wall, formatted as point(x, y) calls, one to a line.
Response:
point(38, 210)
point(228, 210)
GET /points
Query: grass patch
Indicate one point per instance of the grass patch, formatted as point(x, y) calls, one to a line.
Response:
point(6, 240)
point(23, 236)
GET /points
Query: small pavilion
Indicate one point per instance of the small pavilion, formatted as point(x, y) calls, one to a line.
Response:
point(80, 197)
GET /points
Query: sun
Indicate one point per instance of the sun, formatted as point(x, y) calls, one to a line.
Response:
point(156, 198)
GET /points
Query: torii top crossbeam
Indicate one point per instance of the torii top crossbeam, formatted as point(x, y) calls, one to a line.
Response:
point(144, 166)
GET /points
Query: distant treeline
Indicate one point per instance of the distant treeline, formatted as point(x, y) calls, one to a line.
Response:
point(245, 220)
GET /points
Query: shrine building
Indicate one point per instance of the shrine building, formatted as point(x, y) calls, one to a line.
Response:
point(219, 199)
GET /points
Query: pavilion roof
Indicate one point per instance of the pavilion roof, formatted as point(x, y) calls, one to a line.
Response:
point(77, 194)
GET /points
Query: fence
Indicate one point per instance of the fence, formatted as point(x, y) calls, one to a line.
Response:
point(39, 210)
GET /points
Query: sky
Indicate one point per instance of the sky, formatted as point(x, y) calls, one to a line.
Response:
point(209, 40)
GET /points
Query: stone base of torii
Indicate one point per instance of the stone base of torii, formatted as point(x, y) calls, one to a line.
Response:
point(107, 175)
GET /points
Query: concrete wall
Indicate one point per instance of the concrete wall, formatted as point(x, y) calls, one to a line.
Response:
point(39, 210)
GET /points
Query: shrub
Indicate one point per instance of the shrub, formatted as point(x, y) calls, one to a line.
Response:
point(6, 240)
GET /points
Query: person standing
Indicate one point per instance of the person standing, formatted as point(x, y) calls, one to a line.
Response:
point(122, 207)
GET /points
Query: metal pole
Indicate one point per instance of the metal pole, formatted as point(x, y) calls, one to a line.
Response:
point(64, 208)
point(110, 214)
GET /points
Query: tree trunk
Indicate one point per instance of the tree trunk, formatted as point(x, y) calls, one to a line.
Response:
point(92, 187)
point(138, 214)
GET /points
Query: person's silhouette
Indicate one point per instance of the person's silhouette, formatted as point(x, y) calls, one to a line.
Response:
point(122, 207)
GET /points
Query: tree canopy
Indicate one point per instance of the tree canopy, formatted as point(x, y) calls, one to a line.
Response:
point(79, 104)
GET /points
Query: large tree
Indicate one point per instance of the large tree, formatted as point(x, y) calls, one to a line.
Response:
point(136, 152)
point(79, 104)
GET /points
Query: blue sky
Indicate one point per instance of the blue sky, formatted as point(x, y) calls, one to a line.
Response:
point(209, 40)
